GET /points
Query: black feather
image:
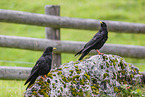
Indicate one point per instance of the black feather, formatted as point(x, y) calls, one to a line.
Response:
point(32, 80)
point(79, 52)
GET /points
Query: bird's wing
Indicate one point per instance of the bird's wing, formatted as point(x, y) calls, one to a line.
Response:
point(31, 76)
point(45, 66)
point(88, 44)
point(96, 37)
point(93, 42)
point(38, 64)
point(35, 69)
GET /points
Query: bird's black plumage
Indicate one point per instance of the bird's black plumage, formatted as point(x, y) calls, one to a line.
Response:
point(96, 42)
point(42, 66)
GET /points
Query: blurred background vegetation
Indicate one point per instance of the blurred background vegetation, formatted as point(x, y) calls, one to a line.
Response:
point(114, 10)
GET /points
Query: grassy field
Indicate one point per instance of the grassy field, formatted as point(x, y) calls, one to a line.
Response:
point(115, 10)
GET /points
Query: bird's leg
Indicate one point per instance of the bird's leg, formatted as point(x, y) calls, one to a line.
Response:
point(43, 78)
point(99, 52)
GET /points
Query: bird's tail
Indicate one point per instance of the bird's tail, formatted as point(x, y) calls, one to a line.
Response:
point(29, 78)
point(83, 55)
point(78, 53)
point(32, 81)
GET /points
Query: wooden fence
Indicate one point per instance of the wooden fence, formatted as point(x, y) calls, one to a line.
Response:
point(53, 22)
point(14, 72)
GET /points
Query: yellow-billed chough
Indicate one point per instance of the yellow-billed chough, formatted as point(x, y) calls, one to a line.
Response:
point(96, 42)
point(42, 66)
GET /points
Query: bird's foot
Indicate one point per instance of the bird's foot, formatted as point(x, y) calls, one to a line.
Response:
point(99, 53)
point(43, 78)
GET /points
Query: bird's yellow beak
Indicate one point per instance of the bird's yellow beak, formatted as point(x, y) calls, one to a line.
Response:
point(101, 22)
point(54, 48)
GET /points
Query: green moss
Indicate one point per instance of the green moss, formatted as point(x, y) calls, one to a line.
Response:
point(82, 82)
point(53, 85)
point(129, 65)
point(35, 93)
point(74, 82)
point(95, 90)
point(93, 87)
point(39, 83)
point(125, 64)
point(54, 70)
point(131, 75)
point(87, 76)
point(69, 78)
point(71, 71)
point(80, 93)
point(101, 66)
point(46, 83)
point(50, 75)
point(107, 70)
point(107, 64)
point(59, 72)
point(64, 64)
point(76, 67)
point(64, 85)
point(64, 79)
point(59, 69)
point(42, 91)
point(78, 71)
point(97, 86)
point(48, 80)
point(61, 88)
point(74, 92)
point(104, 57)
point(111, 60)
point(76, 62)
point(108, 81)
point(124, 82)
point(76, 76)
point(70, 74)
point(114, 76)
point(56, 81)
point(114, 63)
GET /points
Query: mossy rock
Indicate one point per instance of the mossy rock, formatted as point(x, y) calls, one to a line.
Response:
point(94, 76)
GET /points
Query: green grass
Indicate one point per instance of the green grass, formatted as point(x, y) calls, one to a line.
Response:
point(115, 10)
point(11, 88)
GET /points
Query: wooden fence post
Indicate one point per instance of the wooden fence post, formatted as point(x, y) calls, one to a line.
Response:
point(53, 33)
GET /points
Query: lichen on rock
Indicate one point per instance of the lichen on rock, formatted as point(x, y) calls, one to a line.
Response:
point(95, 76)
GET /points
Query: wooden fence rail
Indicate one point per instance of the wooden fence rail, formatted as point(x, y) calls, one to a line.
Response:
point(14, 72)
point(69, 46)
point(66, 22)
point(20, 73)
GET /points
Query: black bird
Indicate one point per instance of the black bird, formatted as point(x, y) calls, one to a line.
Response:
point(96, 42)
point(42, 66)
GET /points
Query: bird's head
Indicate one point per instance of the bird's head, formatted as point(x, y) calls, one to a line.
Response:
point(49, 50)
point(103, 24)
